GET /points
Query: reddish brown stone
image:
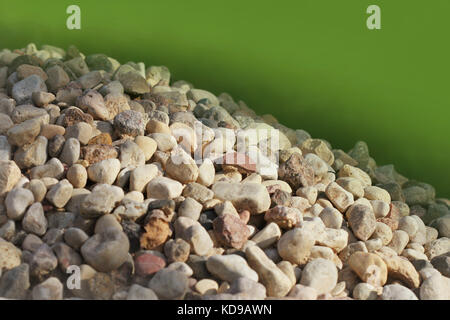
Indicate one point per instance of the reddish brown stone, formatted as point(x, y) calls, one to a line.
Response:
point(102, 138)
point(296, 172)
point(148, 263)
point(156, 233)
point(98, 152)
point(74, 115)
point(231, 231)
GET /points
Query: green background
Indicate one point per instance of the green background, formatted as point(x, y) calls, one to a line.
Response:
point(312, 64)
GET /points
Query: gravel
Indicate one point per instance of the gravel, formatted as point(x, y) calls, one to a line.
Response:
point(166, 191)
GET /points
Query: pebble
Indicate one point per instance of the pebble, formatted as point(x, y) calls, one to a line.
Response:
point(17, 202)
point(181, 167)
point(105, 171)
point(230, 231)
point(164, 141)
point(285, 217)
point(230, 267)
point(77, 176)
point(147, 145)
point(75, 237)
point(369, 267)
point(365, 291)
point(301, 292)
point(320, 274)
point(106, 251)
point(102, 200)
point(24, 133)
point(362, 221)
point(397, 292)
point(190, 208)
point(34, 220)
point(60, 193)
point(131, 155)
point(296, 172)
point(157, 231)
point(129, 123)
point(436, 287)
point(341, 198)
point(268, 236)
point(177, 250)
point(141, 176)
point(295, 246)
point(276, 282)
point(70, 152)
point(169, 284)
point(15, 282)
point(137, 292)
point(22, 90)
point(164, 188)
point(331, 218)
point(147, 264)
point(10, 256)
point(50, 289)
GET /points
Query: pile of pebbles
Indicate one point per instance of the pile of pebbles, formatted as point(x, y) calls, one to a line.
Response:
point(116, 183)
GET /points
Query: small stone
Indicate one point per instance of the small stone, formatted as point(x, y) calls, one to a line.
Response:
point(141, 176)
point(269, 235)
point(190, 208)
point(42, 98)
point(331, 217)
point(129, 123)
point(231, 231)
point(380, 208)
point(376, 193)
point(133, 83)
point(177, 250)
point(17, 202)
point(180, 166)
point(399, 241)
point(402, 269)
point(147, 264)
point(296, 172)
point(295, 246)
point(369, 267)
point(206, 173)
point(301, 292)
point(50, 289)
point(131, 155)
point(169, 284)
point(164, 141)
point(437, 247)
point(397, 292)
point(93, 103)
point(435, 287)
point(60, 193)
point(442, 264)
point(198, 238)
point(10, 256)
point(147, 145)
point(138, 292)
point(206, 287)
point(24, 133)
point(362, 221)
point(383, 232)
point(77, 176)
point(22, 90)
point(105, 171)
point(106, 251)
point(230, 267)
point(95, 153)
point(75, 237)
point(276, 282)
point(102, 138)
point(101, 200)
point(319, 148)
point(285, 217)
point(100, 286)
point(320, 274)
point(15, 282)
point(43, 261)
point(156, 233)
point(81, 131)
point(57, 78)
point(70, 152)
point(339, 196)
point(56, 145)
point(353, 172)
point(34, 220)
point(365, 291)
point(164, 188)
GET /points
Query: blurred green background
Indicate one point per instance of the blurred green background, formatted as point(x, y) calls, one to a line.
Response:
point(313, 64)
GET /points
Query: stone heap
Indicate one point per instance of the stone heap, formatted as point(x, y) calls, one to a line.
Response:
point(140, 186)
